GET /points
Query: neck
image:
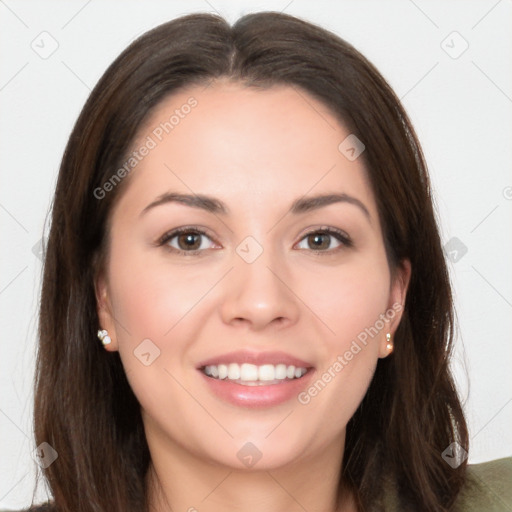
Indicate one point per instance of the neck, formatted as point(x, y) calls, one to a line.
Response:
point(178, 481)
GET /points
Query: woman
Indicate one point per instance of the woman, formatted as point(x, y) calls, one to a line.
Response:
point(243, 217)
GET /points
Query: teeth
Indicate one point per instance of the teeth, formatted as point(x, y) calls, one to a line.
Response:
point(249, 372)
point(223, 371)
point(252, 373)
point(266, 372)
point(280, 371)
point(233, 371)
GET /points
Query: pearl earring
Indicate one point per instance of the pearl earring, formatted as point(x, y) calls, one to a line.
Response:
point(104, 337)
point(389, 345)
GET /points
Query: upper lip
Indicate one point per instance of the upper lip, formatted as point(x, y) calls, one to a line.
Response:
point(256, 358)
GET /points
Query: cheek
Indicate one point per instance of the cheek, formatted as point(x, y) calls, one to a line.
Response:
point(348, 298)
point(154, 312)
point(148, 295)
point(349, 301)
point(169, 305)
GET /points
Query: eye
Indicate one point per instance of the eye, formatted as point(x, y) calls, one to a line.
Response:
point(321, 240)
point(187, 241)
point(191, 241)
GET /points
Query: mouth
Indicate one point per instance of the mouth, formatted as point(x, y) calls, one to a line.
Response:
point(248, 374)
point(255, 380)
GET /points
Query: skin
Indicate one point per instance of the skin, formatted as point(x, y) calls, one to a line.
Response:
point(257, 151)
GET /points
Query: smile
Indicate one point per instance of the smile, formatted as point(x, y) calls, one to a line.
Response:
point(254, 375)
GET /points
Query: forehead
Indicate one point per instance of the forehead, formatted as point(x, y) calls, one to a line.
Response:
point(245, 145)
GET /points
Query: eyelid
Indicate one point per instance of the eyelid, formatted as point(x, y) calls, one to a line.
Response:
point(184, 229)
point(326, 229)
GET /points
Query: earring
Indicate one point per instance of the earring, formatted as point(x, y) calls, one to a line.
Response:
point(104, 337)
point(389, 344)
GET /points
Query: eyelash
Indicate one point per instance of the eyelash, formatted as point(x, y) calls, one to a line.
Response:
point(339, 235)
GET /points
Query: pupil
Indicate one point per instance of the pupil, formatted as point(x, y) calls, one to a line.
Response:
point(317, 241)
point(189, 240)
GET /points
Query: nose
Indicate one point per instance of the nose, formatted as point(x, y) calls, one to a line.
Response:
point(259, 294)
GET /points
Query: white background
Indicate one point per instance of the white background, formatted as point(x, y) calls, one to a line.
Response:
point(461, 108)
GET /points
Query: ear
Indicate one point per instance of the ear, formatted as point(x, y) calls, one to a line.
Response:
point(396, 303)
point(104, 309)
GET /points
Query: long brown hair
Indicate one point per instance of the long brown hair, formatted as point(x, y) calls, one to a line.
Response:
point(84, 406)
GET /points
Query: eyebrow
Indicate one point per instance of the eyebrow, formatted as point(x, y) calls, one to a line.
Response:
point(213, 205)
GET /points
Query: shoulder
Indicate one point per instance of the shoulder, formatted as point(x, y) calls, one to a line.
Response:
point(488, 487)
point(46, 507)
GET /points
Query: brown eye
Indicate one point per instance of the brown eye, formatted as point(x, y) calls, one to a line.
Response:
point(326, 241)
point(186, 241)
point(319, 241)
point(189, 241)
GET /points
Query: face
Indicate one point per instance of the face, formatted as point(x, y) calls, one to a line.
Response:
point(262, 269)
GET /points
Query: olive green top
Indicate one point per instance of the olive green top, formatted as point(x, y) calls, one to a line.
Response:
point(488, 489)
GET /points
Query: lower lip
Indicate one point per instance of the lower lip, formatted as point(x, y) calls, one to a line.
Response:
point(260, 395)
